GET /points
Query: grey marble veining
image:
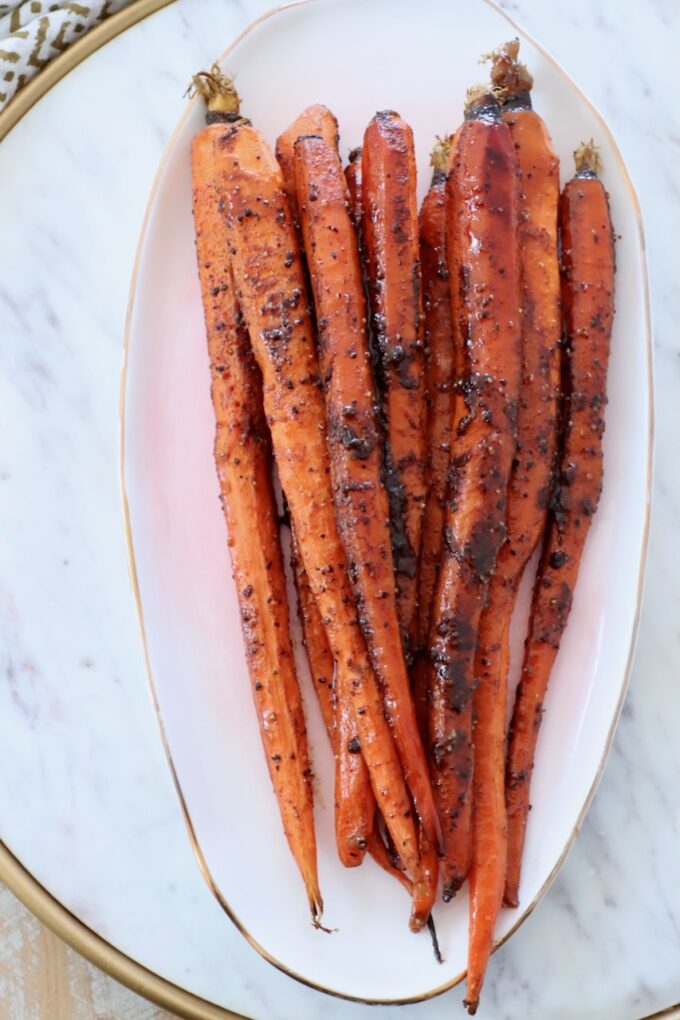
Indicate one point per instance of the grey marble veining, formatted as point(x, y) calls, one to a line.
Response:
point(86, 800)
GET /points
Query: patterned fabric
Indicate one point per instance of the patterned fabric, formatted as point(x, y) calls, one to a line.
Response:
point(32, 32)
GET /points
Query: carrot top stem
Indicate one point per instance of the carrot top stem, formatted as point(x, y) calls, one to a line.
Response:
point(439, 156)
point(510, 79)
point(218, 91)
point(481, 104)
point(588, 160)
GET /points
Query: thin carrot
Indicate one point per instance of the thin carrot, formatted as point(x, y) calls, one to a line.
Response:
point(588, 302)
point(440, 371)
point(390, 234)
point(244, 461)
point(482, 217)
point(354, 801)
point(360, 498)
point(271, 289)
point(528, 494)
point(424, 886)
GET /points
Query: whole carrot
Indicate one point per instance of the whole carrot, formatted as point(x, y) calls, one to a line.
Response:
point(354, 801)
point(244, 460)
point(482, 220)
point(588, 303)
point(440, 373)
point(390, 237)
point(528, 494)
point(272, 293)
point(361, 504)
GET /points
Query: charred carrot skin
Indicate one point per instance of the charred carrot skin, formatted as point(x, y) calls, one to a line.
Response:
point(354, 443)
point(588, 303)
point(482, 218)
point(354, 181)
point(314, 120)
point(244, 460)
point(390, 234)
point(528, 497)
point(272, 293)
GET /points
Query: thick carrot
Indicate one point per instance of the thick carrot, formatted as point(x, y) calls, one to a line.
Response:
point(482, 217)
point(528, 494)
point(271, 289)
point(588, 302)
point(390, 236)
point(244, 461)
point(354, 801)
point(314, 120)
point(361, 503)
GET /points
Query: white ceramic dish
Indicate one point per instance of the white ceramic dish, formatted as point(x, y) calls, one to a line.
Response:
point(357, 56)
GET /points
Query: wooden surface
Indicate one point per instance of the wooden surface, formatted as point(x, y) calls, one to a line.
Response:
point(41, 978)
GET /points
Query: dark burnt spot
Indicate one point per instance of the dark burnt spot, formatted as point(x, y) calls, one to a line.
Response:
point(404, 556)
point(483, 546)
point(558, 559)
point(360, 446)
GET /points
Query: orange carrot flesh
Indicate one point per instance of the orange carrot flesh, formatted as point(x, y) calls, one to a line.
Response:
point(271, 289)
point(353, 439)
point(482, 218)
point(390, 234)
point(244, 461)
point(588, 303)
point(528, 497)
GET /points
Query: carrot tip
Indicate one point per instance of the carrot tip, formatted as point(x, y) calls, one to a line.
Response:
point(510, 899)
point(471, 1006)
point(435, 941)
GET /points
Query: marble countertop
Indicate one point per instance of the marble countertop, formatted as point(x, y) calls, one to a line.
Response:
point(86, 799)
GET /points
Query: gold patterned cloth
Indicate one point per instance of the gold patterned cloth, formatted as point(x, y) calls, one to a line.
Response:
point(33, 32)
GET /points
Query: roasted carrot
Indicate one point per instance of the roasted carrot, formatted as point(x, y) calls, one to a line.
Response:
point(314, 120)
point(243, 458)
point(528, 494)
point(588, 304)
point(440, 365)
point(361, 504)
point(354, 802)
point(272, 293)
point(482, 216)
point(440, 371)
point(424, 886)
point(390, 236)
